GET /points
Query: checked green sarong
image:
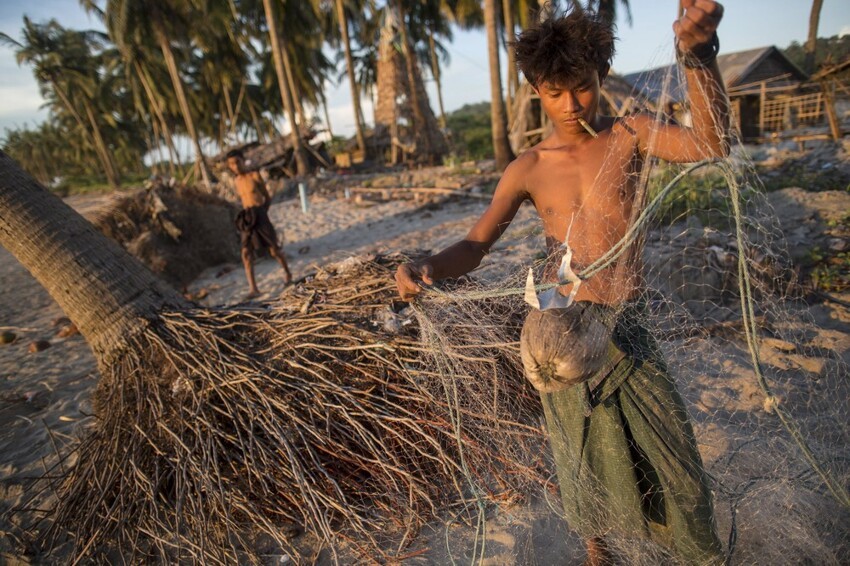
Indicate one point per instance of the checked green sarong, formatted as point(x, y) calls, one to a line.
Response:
point(626, 456)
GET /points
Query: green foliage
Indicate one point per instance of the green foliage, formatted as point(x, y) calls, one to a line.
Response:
point(834, 48)
point(703, 194)
point(831, 272)
point(471, 131)
point(93, 184)
point(800, 174)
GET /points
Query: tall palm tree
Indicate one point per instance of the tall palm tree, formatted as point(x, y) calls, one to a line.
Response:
point(810, 48)
point(301, 164)
point(67, 71)
point(501, 145)
point(437, 15)
point(419, 123)
point(345, 41)
point(146, 23)
point(513, 74)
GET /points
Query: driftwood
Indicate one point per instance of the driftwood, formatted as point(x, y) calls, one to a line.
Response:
point(277, 156)
point(420, 190)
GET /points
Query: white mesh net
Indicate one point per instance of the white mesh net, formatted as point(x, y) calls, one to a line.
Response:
point(761, 371)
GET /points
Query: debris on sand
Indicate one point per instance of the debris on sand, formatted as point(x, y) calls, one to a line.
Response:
point(176, 231)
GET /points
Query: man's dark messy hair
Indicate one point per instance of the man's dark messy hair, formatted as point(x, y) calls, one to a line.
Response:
point(563, 47)
point(235, 153)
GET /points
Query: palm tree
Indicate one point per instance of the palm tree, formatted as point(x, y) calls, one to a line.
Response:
point(810, 48)
point(349, 67)
point(436, 15)
point(66, 70)
point(301, 164)
point(106, 292)
point(513, 74)
point(419, 122)
point(147, 23)
point(501, 145)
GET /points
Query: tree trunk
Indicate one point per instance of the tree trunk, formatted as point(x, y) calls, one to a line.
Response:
point(238, 109)
point(300, 158)
point(98, 148)
point(177, 83)
point(327, 116)
point(410, 62)
point(261, 136)
point(513, 75)
point(352, 79)
point(112, 176)
point(435, 71)
point(154, 102)
point(501, 145)
point(810, 48)
point(294, 91)
point(106, 292)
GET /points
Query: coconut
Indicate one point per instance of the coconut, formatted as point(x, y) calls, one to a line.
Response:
point(563, 347)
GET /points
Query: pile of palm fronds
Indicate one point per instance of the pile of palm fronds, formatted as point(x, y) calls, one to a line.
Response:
point(323, 411)
point(177, 231)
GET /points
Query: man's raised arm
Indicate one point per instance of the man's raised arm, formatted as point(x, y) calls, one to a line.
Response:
point(697, 46)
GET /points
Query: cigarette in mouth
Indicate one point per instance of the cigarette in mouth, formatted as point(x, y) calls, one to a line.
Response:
point(587, 127)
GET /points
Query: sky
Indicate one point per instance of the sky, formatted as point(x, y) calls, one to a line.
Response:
point(646, 44)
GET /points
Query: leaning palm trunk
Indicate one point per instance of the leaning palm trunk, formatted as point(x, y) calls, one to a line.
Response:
point(215, 426)
point(182, 100)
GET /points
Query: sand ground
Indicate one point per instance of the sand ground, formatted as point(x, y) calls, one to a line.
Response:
point(44, 396)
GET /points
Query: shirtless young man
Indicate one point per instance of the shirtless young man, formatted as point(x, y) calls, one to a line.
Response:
point(630, 466)
point(255, 229)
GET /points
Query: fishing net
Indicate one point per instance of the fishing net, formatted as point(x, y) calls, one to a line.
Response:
point(725, 318)
point(394, 432)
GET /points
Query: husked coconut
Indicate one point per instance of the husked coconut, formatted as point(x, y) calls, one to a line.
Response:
point(563, 347)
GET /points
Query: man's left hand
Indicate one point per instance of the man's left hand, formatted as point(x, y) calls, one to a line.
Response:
point(698, 23)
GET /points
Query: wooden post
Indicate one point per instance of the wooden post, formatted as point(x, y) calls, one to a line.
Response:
point(829, 106)
point(762, 100)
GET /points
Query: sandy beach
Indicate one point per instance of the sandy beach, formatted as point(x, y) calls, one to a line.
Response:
point(45, 394)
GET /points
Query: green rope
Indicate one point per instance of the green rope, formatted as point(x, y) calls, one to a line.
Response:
point(744, 288)
point(606, 260)
point(751, 333)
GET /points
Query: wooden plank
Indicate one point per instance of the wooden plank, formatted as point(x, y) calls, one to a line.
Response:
point(829, 104)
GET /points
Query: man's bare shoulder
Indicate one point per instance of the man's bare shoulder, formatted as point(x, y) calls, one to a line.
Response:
point(515, 177)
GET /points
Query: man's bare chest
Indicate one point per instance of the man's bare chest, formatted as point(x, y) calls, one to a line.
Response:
point(590, 183)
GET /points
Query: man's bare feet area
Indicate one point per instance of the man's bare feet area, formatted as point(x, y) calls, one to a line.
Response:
point(253, 294)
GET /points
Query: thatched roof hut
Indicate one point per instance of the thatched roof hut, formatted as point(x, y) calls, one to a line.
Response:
point(769, 93)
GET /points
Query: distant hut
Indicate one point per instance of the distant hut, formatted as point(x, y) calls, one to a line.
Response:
point(770, 95)
point(834, 81)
